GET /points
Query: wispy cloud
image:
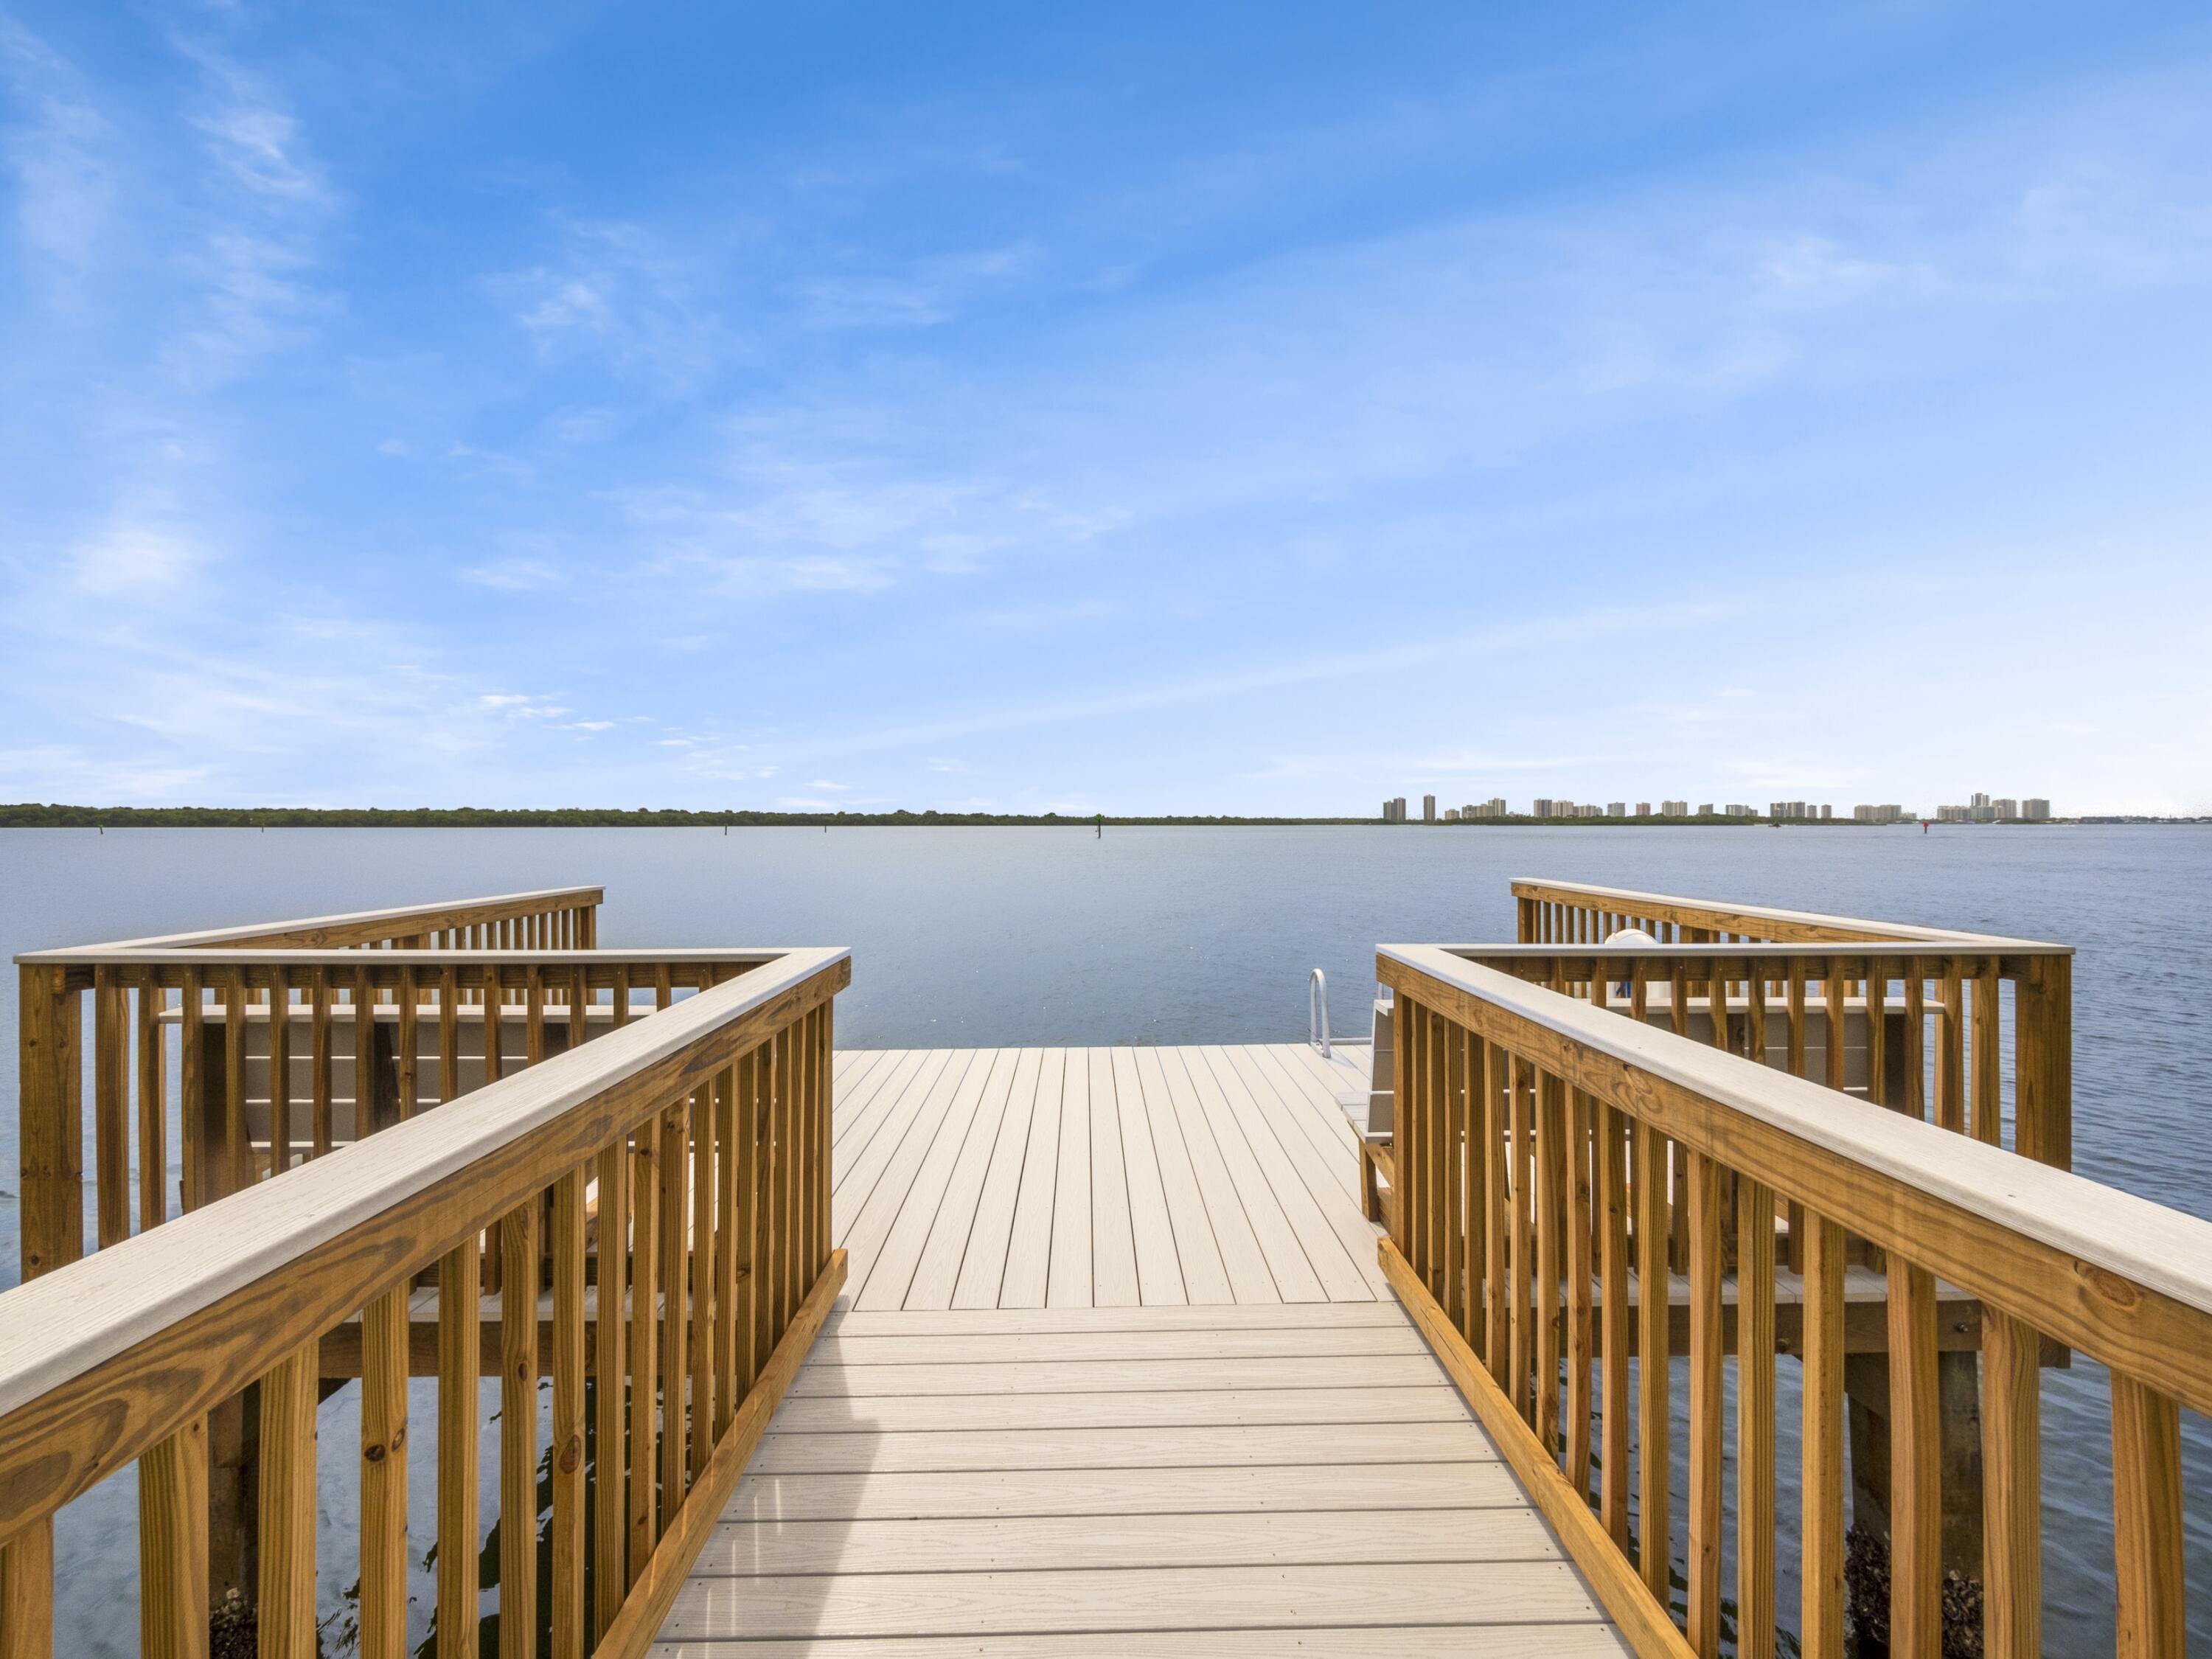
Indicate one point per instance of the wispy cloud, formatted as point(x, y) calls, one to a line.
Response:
point(58, 146)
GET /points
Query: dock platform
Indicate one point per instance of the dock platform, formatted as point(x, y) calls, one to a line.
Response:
point(1115, 1371)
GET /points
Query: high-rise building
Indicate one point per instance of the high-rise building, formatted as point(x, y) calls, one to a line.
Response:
point(1978, 799)
point(1889, 813)
point(1781, 810)
point(1451, 815)
point(1705, 809)
point(1644, 809)
point(1616, 809)
point(1827, 811)
point(2035, 810)
point(1674, 809)
point(1736, 811)
point(1428, 809)
point(1542, 808)
point(2006, 809)
point(1394, 809)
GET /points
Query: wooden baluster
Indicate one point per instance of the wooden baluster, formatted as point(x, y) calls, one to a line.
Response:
point(1754, 1021)
point(1986, 1104)
point(1820, 1622)
point(1550, 1204)
point(1951, 1050)
point(460, 1337)
point(1521, 1266)
point(644, 1342)
point(762, 1295)
point(580, 1003)
point(280, 1071)
point(173, 1546)
point(319, 1038)
point(384, 1476)
point(1835, 987)
point(2147, 1528)
point(1405, 1142)
point(367, 1097)
point(197, 1182)
point(153, 1107)
point(1649, 1193)
point(1795, 990)
point(566, 1585)
point(1613, 1311)
point(533, 1015)
point(1916, 1028)
point(26, 1593)
point(1877, 1016)
point(518, 1430)
point(706, 1109)
point(1452, 1169)
point(111, 1140)
point(675, 1169)
point(824, 1132)
point(495, 999)
point(1581, 1356)
point(787, 1161)
point(285, 1610)
point(1706, 1249)
point(729, 1222)
point(238, 1161)
point(2012, 1489)
point(615, 1462)
point(409, 1039)
point(449, 1034)
point(1754, 1421)
point(1496, 1069)
point(1916, 1452)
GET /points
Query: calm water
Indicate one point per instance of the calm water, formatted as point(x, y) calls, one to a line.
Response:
point(964, 937)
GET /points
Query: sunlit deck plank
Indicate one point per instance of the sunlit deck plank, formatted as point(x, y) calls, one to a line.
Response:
point(984, 1264)
point(1159, 1265)
point(1205, 1277)
point(938, 1270)
point(890, 1268)
point(1029, 1246)
point(1070, 1285)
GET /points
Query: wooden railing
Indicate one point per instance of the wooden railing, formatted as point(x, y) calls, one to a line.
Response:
point(553, 919)
point(385, 1014)
point(1971, 1031)
point(658, 1207)
point(1547, 1150)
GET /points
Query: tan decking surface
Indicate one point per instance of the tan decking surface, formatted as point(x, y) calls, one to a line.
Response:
point(1115, 1373)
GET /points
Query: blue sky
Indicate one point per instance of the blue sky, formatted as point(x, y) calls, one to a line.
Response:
point(1192, 408)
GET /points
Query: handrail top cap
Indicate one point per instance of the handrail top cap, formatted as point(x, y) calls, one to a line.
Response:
point(1881, 931)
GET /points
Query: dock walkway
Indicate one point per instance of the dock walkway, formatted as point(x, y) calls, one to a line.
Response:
point(1115, 1371)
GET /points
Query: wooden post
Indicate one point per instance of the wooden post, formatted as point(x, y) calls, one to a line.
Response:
point(173, 1546)
point(51, 1118)
point(2043, 1103)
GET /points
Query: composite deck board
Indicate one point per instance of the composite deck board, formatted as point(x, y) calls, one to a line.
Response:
point(1115, 1373)
point(1091, 1600)
point(1106, 1375)
point(1069, 1283)
point(1049, 1543)
point(1342, 1642)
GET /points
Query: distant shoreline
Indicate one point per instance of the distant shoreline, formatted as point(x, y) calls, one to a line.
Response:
point(36, 816)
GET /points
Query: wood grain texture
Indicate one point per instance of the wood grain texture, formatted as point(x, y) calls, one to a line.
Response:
point(1641, 1615)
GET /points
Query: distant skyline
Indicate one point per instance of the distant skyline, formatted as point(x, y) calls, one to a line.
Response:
point(1189, 409)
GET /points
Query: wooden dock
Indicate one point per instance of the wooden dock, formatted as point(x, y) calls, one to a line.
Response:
point(1115, 1371)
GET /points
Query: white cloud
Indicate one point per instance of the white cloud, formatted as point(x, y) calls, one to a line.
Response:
point(515, 576)
point(59, 148)
point(136, 561)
